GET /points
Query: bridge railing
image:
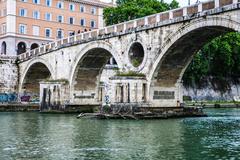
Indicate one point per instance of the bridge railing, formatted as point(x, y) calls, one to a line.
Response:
point(163, 18)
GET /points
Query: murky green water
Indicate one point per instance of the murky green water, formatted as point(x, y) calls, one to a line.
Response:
point(60, 137)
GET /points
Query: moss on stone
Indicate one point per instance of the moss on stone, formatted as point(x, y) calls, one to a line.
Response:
point(65, 81)
point(130, 74)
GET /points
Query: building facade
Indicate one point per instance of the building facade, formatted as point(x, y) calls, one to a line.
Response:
point(27, 24)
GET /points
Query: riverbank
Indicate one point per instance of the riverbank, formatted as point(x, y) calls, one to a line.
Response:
point(19, 107)
point(34, 107)
point(212, 104)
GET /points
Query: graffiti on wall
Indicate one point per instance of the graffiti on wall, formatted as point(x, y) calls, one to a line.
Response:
point(13, 97)
point(28, 97)
point(107, 89)
point(8, 97)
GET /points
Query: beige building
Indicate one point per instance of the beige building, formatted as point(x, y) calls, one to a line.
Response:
point(26, 24)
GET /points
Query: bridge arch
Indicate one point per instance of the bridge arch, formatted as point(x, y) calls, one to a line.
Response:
point(86, 72)
point(179, 48)
point(34, 46)
point(21, 47)
point(35, 71)
point(4, 48)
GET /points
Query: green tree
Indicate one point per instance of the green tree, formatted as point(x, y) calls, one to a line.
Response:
point(132, 9)
point(219, 59)
point(174, 4)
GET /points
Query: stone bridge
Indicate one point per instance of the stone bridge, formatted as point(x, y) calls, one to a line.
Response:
point(151, 53)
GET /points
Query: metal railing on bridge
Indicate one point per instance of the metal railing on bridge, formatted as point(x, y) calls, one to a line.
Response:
point(159, 19)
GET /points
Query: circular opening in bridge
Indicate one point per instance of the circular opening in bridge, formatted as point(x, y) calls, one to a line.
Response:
point(136, 54)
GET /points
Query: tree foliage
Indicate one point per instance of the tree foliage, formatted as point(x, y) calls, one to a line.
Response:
point(132, 9)
point(219, 59)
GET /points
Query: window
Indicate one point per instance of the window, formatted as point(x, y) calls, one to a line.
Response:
point(60, 5)
point(21, 47)
point(4, 12)
point(59, 33)
point(23, 12)
point(93, 24)
point(36, 30)
point(82, 8)
point(48, 32)
point(82, 22)
point(36, 15)
point(34, 46)
point(4, 28)
point(60, 19)
point(71, 7)
point(93, 10)
point(22, 29)
point(24, 0)
point(49, 3)
point(71, 20)
point(4, 48)
point(48, 16)
point(36, 1)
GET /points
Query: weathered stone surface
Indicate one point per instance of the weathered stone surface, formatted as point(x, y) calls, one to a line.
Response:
point(8, 75)
point(208, 93)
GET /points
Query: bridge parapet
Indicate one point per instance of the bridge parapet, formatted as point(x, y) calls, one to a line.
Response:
point(7, 58)
point(155, 20)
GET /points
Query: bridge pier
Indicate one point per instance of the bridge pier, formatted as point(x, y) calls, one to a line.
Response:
point(167, 96)
point(128, 90)
point(54, 95)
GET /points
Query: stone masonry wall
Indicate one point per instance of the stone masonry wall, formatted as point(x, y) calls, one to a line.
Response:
point(208, 93)
point(8, 76)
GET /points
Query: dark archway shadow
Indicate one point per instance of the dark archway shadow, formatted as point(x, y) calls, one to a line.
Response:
point(34, 46)
point(21, 48)
point(35, 74)
point(86, 80)
point(177, 58)
point(4, 48)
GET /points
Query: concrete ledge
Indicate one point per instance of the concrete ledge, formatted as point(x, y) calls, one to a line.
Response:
point(19, 107)
point(73, 109)
point(147, 114)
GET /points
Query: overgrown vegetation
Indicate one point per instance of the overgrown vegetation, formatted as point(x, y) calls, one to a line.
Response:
point(136, 62)
point(132, 9)
point(218, 63)
point(65, 81)
point(129, 74)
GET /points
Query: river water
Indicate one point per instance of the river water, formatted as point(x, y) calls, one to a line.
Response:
point(36, 136)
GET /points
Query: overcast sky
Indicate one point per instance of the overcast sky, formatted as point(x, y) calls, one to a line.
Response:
point(181, 2)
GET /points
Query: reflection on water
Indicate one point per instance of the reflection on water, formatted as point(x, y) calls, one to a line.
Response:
point(60, 137)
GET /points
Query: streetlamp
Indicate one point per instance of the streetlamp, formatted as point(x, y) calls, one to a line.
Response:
point(189, 2)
